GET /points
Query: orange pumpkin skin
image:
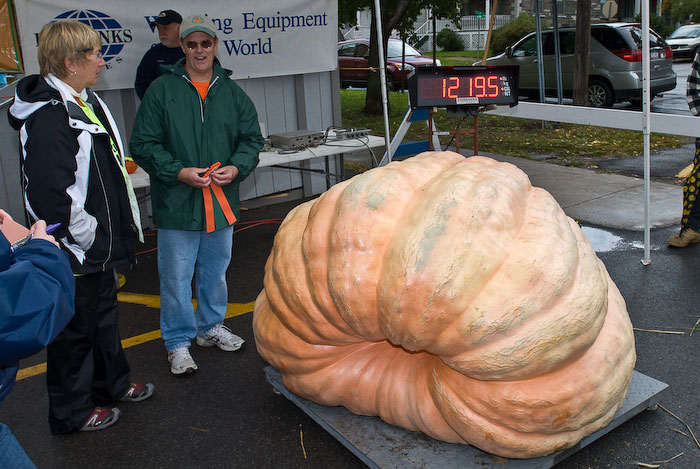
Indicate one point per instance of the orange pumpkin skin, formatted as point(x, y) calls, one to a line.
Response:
point(448, 295)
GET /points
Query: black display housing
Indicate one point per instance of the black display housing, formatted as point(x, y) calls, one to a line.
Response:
point(459, 87)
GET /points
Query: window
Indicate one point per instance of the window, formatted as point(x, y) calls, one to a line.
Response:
point(567, 42)
point(527, 48)
point(609, 38)
point(394, 50)
point(654, 40)
point(690, 31)
point(361, 50)
point(347, 50)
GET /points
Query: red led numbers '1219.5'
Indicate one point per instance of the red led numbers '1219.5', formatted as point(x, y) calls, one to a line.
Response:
point(477, 87)
point(460, 87)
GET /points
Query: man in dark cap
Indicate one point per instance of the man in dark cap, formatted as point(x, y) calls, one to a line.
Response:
point(166, 53)
point(197, 135)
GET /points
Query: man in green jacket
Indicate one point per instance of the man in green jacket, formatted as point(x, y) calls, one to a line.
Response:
point(197, 135)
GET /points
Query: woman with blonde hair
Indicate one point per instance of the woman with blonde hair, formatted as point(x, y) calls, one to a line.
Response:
point(73, 174)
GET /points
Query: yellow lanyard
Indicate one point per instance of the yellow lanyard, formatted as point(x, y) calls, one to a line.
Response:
point(90, 114)
point(135, 213)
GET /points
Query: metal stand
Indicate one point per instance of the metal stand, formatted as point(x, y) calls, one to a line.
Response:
point(433, 142)
point(473, 131)
point(412, 115)
point(380, 445)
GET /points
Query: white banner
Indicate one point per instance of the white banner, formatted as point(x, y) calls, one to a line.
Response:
point(256, 38)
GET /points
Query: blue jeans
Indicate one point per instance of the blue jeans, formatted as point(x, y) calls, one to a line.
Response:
point(181, 254)
point(12, 455)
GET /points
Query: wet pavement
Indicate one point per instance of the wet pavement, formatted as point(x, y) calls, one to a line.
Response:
point(665, 165)
point(226, 414)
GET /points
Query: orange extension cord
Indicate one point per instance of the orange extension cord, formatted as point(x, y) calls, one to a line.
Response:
point(242, 226)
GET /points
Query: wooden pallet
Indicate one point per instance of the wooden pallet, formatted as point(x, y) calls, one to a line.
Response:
point(380, 445)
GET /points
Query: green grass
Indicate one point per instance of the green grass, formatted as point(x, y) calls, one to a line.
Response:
point(462, 57)
point(460, 53)
point(565, 144)
point(452, 61)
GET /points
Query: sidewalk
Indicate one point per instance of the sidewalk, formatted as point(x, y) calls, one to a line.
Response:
point(591, 197)
point(226, 414)
point(601, 199)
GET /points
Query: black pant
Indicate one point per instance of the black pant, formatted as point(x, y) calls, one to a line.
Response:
point(86, 365)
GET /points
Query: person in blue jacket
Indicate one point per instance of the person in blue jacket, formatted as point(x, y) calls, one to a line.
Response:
point(37, 288)
point(167, 52)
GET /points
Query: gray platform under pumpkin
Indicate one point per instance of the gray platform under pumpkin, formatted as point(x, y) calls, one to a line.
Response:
point(380, 445)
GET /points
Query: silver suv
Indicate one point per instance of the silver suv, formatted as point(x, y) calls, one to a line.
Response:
point(615, 70)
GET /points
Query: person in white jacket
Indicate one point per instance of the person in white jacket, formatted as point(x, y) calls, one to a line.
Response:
point(73, 173)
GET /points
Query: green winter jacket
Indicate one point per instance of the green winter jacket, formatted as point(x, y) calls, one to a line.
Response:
point(175, 129)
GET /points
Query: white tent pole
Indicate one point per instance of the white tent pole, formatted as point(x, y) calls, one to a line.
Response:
point(382, 73)
point(646, 110)
point(487, 9)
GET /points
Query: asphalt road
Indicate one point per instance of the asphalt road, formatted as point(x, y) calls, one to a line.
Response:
point(669, 163)
point(671, 102)
point(666, 164)
point(226, 415)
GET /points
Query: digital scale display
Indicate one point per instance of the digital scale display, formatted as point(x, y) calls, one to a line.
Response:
point(449, 87)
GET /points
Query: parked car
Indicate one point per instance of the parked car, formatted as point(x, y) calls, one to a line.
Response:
point(615, 68)
point(685, 41)
point(353, 62)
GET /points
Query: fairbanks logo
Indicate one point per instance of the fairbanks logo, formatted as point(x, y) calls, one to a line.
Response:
point(113, 35)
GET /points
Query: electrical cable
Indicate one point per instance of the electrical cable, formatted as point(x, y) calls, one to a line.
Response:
point(316, 157)
point(371, 152)
point(256, 225)
point(363, 140)
point(459, 124)
point(249, 224)
point(146, 251)
point(325, 135)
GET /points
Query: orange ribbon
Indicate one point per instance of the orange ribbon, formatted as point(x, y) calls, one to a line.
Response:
point(209, 203)
point(209, 206)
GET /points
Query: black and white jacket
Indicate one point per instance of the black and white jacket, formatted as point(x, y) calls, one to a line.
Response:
point(692, 94)
point(70, 175)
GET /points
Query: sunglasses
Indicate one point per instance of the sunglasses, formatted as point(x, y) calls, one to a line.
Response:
point(205, 44)
point(98, 55)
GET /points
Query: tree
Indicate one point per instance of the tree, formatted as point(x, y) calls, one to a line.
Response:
point(348, 8)
point(507, 34)
point(683, 11)
point(390, 19)
point(448, 39)
point(582, 50)
point(396, 15)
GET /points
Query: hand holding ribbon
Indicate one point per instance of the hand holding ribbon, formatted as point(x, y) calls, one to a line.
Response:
point(224, 175)
point(191, 177)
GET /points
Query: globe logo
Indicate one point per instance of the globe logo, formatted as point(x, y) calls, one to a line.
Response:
point(113, 35)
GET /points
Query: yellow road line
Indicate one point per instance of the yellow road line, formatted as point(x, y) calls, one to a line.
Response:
point(30, 371)
point(150, 301)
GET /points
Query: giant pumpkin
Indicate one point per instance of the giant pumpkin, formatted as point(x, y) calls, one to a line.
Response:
point(448, 295)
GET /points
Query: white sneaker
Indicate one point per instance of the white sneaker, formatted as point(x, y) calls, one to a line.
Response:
point(181, 362)
point(222, 337)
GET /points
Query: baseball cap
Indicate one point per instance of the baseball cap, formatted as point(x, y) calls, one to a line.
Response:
point(197, 23)
point(166, 17)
